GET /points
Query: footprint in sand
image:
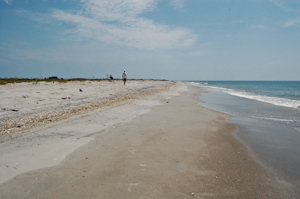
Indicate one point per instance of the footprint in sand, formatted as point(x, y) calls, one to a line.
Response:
point(143, 166)
point(132, 185)
point(131, 151)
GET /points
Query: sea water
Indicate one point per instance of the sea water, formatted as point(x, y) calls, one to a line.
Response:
point(268, 116)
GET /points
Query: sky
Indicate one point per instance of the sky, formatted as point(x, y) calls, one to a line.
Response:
point(151, 39)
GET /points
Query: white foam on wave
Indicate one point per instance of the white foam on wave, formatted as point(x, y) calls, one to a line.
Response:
point(197, 83)
point(275, 119)
point(271, 100)
point(209, 87)
point(296, 122)
point(193, 83)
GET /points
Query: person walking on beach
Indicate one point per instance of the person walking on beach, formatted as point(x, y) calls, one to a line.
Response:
point(124, 77)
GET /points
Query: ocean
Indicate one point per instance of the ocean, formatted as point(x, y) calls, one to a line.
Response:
point(268, 116)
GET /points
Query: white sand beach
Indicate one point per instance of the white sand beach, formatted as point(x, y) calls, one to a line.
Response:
point(148, 139)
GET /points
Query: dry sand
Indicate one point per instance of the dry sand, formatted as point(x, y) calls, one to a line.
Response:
point(62, 127)
point(177, 150)
point(27, 105)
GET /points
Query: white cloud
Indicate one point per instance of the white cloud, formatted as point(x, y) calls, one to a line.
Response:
point(278, 3)
point(293, 22)
point(108, 10)
point(259, 26)
point(292, 6)
point(119, 22)
point(198, 53)
point(9, 2)
point(38, 17)
point(237, 21)
point(178, 3)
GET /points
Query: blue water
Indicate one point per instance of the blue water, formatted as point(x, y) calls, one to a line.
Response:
point(282, 93)
point(279, 93)
point(268, 116)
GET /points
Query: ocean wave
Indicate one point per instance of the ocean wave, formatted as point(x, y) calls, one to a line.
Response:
point(294, 123)
point(275, 119)
point(271, 100)
point(197, 83)
point(193, 83)
point(208, 87)
point(262, 98)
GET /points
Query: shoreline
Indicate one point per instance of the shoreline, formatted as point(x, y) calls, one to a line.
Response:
point(273, 144)
point(179, 149)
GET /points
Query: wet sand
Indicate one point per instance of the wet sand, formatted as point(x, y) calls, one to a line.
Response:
point(179, 149)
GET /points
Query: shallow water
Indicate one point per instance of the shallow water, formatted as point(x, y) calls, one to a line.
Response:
point(270, 131)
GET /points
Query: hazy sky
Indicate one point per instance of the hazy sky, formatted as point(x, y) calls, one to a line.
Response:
point(159, 39)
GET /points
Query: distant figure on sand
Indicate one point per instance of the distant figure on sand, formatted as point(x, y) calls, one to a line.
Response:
point(124, 76)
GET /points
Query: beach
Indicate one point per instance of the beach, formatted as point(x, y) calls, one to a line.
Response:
point(148, 139)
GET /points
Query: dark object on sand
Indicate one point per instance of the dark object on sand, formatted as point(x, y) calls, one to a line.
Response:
point(80, 90)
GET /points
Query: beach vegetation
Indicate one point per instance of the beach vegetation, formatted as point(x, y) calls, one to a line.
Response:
point(4, 81)
point(53, 77)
